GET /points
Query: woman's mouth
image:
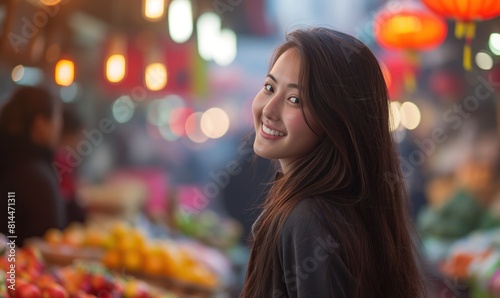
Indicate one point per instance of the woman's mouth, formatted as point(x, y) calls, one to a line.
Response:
point(271, 132)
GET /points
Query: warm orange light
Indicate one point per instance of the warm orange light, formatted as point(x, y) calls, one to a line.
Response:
point(50, 2)
point(65, 72)
point(465, 10)
point(115, 68)
point(410, 28)
point(155, 76)
point(153, 9)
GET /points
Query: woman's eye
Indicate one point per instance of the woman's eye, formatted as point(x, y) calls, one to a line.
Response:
point(268, 87)
point(293, 99)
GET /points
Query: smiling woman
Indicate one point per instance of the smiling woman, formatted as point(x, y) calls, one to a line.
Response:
point(281, 128)
point(331, 226)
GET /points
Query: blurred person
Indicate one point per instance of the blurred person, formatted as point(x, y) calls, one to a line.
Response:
point(71, 136)
point(336, 221)
point(464, 204)
point(30, 126)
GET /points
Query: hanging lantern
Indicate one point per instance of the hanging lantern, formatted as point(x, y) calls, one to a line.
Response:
point(64, 72)
point(116, 64)
point(409, 27)
point(465, 12)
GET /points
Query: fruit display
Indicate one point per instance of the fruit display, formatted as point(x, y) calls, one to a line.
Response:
point(128, 249)
point(123, 248)
point(32, 278)
point(475, 260)
point(209, 228)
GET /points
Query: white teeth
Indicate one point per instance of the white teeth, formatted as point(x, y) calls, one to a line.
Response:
point(272, 132)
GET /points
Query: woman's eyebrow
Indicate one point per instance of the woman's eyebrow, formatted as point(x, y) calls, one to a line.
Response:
point(290, 85)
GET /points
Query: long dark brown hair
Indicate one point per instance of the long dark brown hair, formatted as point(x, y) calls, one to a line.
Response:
point(353, 175)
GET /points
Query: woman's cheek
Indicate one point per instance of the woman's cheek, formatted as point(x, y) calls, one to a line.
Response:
point(295, 122)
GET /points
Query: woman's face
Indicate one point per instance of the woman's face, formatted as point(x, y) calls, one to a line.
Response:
point(281, 130)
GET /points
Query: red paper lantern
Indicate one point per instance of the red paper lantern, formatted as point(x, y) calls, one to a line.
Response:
point(465, 12)
point(410, 27)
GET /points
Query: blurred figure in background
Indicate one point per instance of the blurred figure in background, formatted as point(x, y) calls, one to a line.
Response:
point(71, 136)
point(30, 126)
point(464, 200)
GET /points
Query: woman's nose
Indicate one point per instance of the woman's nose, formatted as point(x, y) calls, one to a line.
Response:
point(272, 109)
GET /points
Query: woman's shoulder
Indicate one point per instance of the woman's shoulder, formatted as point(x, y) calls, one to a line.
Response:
point(305, 219)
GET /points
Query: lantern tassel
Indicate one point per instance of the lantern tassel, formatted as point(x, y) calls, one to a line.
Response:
point(459, 29)
point(470, 30)
point(467, 57)
point(409, 78)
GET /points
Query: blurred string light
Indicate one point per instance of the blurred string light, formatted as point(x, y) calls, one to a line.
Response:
point(155, 76)
point(123, 109)
point(394, 115)
point(180, 20)
point(225, 49)
point(410, 115)
point(153, 10)
point(116, 63)
point(115, 68)
point(494, 43)
point(17, 73)
point(50, 2)
point(208, 28)
point(193, 128)
point(215, 43)
point(27, 76)
point(64, 72)
point(214, 123)
point(69, 93)
point(484, 61)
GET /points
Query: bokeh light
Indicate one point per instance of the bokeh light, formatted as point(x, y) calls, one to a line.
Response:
point(50, 2)
point(410, 115)
point(115, 68)
point(177, 121)
point(193, 128)
point(123, 109)
point(180, 20)
point(153, 10)
point(208, 29)
point(27, 75)
point(484, 61)
point(494, 43)
point(155, 76)
point(394, 115)
point(65, 72)
point(69, 93)
point(225, 50)
point(214, 123)
point(17, 73)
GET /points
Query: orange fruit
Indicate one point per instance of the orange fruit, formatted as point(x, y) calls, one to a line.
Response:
point(53, 236)
point(112, 259)
point(132, 260)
